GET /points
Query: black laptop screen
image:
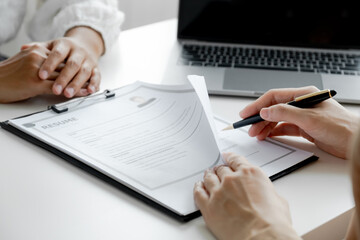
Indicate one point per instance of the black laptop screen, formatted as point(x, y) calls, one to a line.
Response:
point(325, 24)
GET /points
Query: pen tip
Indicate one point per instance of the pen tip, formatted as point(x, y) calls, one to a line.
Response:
point(230, 127)
point(332, 93)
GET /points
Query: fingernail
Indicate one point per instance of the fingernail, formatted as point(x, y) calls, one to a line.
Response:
point(58, 89)
point(70, 91)
point(198, 184)
point(92, 89)
point(241, 112)
point(44, 74)
point(264, 113)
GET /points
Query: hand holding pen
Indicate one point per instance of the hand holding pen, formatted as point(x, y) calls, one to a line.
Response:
point(305, 101)
point(327, 124)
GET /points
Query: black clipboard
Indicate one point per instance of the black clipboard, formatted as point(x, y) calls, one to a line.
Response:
point(63, 107)
point(96, 173)
point(107, 94)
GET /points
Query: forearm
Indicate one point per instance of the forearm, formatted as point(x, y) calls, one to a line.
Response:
point(354, 228)
point(278, 233)
point(352, 232)
point(91, 39)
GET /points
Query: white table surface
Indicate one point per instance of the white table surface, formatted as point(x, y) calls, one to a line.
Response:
point(44, 197)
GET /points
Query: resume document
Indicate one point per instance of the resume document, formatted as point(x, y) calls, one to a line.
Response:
point(156, 140)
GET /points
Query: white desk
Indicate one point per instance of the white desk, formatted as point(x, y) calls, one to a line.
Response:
point(44, 197)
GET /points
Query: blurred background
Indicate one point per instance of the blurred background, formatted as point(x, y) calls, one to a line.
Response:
point(137, 13)
point(142, 12)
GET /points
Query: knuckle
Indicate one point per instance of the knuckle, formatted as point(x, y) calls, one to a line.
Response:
point(249, 169)
point(34, 56)
point(85, 70)
point(73, 64)
point(233, 164)
point(228, 180)
point(62, 41)
point(231, 183)
point(272, 93)
point(245, 170)
point(255, 170)
point(37, 46)
point(66, 41)
point(232, 158)
point(235, 160)
point(279, 108)
point(208, 176)
point(220, 168)
point(57, 53)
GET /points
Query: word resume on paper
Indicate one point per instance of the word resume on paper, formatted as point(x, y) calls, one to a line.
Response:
point(156, 140)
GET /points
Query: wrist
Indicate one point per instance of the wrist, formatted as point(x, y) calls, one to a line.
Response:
point(282, 232)
point(90, 39)
point(354, 127)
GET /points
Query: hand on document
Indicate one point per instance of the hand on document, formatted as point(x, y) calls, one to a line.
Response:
point(238, 201)
point(308, 123)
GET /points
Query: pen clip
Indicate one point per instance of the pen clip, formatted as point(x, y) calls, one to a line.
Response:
point(74, 103)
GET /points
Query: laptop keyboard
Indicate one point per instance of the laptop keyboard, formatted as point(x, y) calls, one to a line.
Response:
point(272, 59)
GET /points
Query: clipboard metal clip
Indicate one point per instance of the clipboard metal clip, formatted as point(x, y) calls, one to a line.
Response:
point(74, 103)
point(109, 94)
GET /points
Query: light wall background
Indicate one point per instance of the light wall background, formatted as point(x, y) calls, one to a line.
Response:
point(142, 12)
point(137, 13)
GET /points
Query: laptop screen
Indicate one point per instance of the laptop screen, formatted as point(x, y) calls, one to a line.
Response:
point(330, 24)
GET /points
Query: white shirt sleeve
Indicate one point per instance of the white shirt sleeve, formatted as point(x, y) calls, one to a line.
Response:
point(54, 18)
point(11, 16)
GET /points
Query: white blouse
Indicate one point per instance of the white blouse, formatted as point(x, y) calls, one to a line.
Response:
point(54, 17)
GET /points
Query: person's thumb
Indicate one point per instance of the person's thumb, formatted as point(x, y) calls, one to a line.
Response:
point(29, 45)
point(284, 113)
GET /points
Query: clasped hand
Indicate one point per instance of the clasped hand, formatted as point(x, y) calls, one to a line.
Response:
point(64, 66)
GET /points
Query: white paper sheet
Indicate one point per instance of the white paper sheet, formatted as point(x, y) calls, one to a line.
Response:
point(154, 139)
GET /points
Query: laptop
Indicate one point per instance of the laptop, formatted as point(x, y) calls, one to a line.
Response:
point(244, 48)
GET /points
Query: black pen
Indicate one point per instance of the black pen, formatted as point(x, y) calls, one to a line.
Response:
point(304, 101)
